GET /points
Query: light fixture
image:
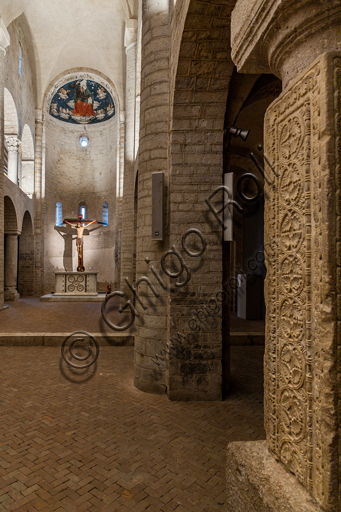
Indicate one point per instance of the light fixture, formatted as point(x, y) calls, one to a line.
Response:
point(238, 132)
point(83, 141)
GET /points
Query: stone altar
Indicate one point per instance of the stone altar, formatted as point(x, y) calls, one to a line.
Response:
point(76, 283)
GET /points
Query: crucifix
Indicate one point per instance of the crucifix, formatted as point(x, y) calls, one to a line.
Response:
point(80, 224)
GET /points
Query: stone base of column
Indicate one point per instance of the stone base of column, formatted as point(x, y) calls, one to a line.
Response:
point(11, 295)
point(257, 483)
point(149, 381)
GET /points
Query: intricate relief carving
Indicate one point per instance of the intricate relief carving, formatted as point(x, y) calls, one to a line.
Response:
point(291, 184)
point(292, 459)
point(291, 231)
point(292, 365)
point(291, 273)
point(292, 319)
point(75, 283)
point(289, 303)
point(290, 138)
point(337, 126)
point(292, 415)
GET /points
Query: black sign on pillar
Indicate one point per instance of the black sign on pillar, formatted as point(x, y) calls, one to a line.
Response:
point(157, 205)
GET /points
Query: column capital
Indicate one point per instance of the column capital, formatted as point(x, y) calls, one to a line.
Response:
point(130, 34)
point(4, 37)
point(281, 36)
point(12, 142)
point(12, 232)
point(39, 115)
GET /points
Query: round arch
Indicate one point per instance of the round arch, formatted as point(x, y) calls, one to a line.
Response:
point(11, 123)
point(27, 164)
point(11, 129)
point(26, 257)
point(10, 250)
point(77, 74)
point(10, 216)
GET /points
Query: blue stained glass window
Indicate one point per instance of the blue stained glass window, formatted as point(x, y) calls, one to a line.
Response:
point(59, 213)
point(105, 213)
point(20, 60)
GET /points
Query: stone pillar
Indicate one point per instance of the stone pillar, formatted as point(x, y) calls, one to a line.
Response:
point(38, 200)
point(11, 266)
point(119, 198)
point(12, 143)
point(153, 157)
point(127, 241)
point(4, 42)
point(303, 283)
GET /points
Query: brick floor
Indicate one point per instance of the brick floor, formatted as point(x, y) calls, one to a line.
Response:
point(72, 441)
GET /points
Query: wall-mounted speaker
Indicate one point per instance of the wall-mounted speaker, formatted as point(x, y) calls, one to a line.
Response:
point(158, 205)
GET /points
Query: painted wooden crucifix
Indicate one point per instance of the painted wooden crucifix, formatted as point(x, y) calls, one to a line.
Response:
point(80, 224)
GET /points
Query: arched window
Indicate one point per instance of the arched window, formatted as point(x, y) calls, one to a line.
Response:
point(59, 214)
point(82, 210)
point(20, 59)
point(105, 213)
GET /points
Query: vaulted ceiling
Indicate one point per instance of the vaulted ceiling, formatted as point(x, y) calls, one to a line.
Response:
point(66, 34)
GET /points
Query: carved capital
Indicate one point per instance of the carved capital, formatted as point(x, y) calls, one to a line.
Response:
point(283, 37)
point(12, 142)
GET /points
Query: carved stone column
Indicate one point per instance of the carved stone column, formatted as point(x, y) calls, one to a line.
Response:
point(302, 225)
point(11, 266)
point(4, 42)
point(12, 143)
point(127, 242)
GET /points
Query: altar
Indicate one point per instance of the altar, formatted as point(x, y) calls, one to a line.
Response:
point(75, 283)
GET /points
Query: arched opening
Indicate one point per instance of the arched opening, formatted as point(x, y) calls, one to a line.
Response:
point(26, 258)
point(82, 210)
point(27, 162)
point(81, 178)
point(59, 214)
point(11, 137)
point(11, 251)
point(105, 213)
point(248, 99)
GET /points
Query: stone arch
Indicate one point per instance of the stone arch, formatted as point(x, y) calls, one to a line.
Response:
point(11, 123)
point(198, 100)
point(26, 257)
point(11, 129)
point(11, 250)
point(10, 216)
point(27, 162)
point(75, 74)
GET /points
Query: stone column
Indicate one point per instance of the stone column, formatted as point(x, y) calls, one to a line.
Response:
point(4, 42)
point(127, 241)
point(303, 283)
point(11, 266)
point(12, 143)
point(153, 157)
point(38, 200)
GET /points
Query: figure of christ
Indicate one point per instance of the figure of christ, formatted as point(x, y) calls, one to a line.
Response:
point(80, 226)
